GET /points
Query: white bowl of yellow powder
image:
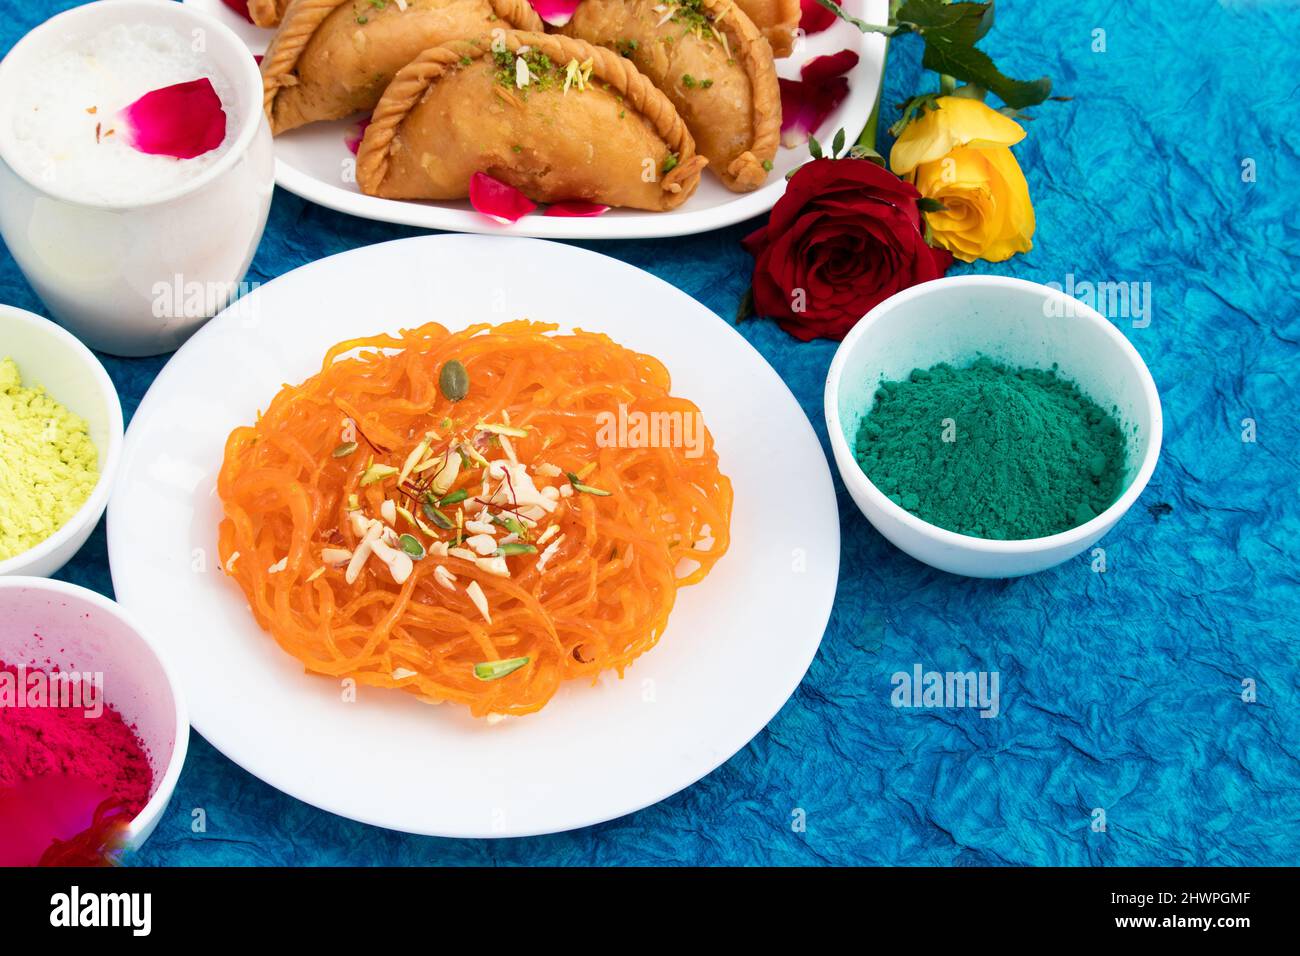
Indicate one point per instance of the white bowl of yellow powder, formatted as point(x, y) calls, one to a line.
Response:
point(60, 440)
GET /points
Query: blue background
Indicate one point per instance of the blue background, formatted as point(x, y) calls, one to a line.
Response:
point(1121, 690)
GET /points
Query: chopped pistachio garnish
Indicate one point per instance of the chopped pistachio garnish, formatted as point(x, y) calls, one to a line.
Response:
point(414, 457)
point(669, 163)
point(494, 429)
point(516, 547)
point(377, 473)
point(473, 454)
point(587, 489)
point(492, 670)
point(460, 494)
point(433, 514)
point(412, 546)
point(342, 451)
point(511, 524)
point(526, 70)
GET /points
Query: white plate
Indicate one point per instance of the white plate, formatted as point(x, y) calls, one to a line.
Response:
point(314, 161)
point(735, 649)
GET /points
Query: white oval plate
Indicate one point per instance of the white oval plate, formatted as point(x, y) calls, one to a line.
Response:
point(314, 161)
point(735, 649)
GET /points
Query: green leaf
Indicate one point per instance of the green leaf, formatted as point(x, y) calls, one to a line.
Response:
point(974, 66)
point(837, 145)
point(912, 110)
point(962, 23)
point(746, 308)
point(926, 204)
point(887, 30)
point(866, 152)
point(971, 91)
point(814, 147)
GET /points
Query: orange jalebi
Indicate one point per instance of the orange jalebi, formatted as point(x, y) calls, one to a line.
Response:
point(351, 461)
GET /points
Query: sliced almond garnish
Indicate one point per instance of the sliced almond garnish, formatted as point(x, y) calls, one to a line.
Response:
point(495, 565)
point(476, 595)
point(545, 557)
point(335, 557)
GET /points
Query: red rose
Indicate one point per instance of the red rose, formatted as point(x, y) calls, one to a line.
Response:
point(845, 236)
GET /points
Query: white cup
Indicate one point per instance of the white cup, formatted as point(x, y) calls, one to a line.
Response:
point(139, 278)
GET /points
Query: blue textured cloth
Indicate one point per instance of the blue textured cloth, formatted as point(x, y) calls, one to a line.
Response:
point(1120, 691)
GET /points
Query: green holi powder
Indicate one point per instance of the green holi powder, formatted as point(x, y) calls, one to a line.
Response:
point(992, 451)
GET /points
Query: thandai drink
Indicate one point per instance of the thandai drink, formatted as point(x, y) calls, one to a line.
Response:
point(123, 115)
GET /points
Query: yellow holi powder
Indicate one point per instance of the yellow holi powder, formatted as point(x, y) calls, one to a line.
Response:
point(48, 464)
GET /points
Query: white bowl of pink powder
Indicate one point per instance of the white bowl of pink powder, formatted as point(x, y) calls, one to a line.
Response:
point(90, 717)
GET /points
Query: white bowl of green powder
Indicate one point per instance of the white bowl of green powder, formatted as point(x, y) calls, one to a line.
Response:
point(60, 440)
point(990, 426)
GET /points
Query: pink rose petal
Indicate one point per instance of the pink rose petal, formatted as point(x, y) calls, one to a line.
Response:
point(496, 200)
point(575, 207)
point(240, 7)
point(184, 121)
point(806, 103)
point(353, 139)
point(555, 12)
point(816, 18)
point(821, 68)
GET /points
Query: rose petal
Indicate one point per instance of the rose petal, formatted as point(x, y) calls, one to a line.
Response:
point(353, 139)
point(575, 207)
point(816, 18)
point(805, 106)
point(496, 200)
point(240, 7)
point(184, 120)
point(555, 12)
point(821, 68)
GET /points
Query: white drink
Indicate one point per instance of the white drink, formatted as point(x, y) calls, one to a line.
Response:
point(68, 131)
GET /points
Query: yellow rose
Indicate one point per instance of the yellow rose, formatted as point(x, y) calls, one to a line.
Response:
point(958, 155)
